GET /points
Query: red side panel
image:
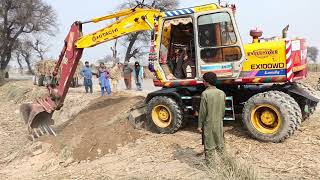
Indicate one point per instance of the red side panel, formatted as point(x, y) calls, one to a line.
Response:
point(299, 58)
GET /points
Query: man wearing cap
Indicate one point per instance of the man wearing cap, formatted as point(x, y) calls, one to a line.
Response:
point(211, 114)
point(86, 73)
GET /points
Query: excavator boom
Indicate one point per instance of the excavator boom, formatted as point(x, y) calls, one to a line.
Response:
point(38, 115)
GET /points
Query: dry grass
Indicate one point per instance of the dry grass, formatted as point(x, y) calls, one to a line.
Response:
point(18, 93)
point(229, 167)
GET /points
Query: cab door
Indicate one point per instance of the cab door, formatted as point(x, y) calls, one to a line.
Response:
point(219, 46)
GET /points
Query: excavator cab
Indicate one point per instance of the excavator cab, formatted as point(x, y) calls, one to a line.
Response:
point(209, 41)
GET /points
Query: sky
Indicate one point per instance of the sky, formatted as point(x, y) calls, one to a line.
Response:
point(269, 15)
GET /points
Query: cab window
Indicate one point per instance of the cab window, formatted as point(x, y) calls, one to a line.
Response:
point(177, 49)
point(217, 38)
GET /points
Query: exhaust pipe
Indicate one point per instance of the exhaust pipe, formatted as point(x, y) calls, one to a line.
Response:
point(285, 32)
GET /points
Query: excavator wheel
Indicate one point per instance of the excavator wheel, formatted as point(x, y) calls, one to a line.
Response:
point(6, 75)
point(164, 115)
point(35, 80)
point(311, 106)
point(74, 82)
point(41, 80)
point(318, 85)
point(271, 116)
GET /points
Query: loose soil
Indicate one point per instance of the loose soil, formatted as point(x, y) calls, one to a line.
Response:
point(98, 129)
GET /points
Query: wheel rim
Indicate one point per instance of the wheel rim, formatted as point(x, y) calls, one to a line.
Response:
point(266, 119)
point(161, 116)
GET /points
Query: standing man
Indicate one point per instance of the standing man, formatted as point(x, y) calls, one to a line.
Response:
point(104, 79)
point(178, 71)
point(211, 114)
point(86, 73)
point(127, 75)
point(115, 76)
point(138, 75)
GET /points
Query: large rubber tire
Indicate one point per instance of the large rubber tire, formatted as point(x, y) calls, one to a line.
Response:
point(312, 106)
point(6, 75)
point(73, 83)
point(47, 80)
point(288, 108)
point(35, 80)
point(173, 107)
point(41, 80)
point(318, 85)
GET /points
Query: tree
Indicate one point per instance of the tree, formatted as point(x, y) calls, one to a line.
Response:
point(114, 49)
point(133, 40)
point(39, 47)
point(313, 53)
point(24, 50)
point(107, 59)
point(19, 60)
point(18, 18)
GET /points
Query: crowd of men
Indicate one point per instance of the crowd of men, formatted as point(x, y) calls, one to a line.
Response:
point(109, 78)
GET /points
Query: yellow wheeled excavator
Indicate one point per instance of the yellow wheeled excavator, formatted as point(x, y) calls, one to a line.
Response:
point(260, 78)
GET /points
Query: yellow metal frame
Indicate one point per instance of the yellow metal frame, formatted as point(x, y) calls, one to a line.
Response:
point(128, 21)
point(266, 119)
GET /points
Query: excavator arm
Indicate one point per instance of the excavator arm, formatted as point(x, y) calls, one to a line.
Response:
point(38, 115)
point(129, 21)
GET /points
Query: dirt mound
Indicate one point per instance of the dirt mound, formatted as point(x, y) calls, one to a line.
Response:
point(21, 91)
point(97, 130)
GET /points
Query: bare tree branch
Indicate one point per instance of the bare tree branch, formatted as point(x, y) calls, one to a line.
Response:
point(39, 48)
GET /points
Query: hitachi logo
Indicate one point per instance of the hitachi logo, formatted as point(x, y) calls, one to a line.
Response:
point(104, 34)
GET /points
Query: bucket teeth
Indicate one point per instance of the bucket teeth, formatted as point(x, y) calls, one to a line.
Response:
point(46, 129)
point(36, 133)
point(50, 129)
point(41, 130)
point(32, 137)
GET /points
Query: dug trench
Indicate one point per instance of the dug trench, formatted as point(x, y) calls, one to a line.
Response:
point(98, 129)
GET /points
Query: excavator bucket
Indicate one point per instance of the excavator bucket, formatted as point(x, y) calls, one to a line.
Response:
point(37, 119)
point(137, 116)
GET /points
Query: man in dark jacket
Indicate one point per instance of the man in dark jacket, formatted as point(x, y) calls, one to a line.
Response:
point(211, 114)
point(127, 75)
point(178, 71)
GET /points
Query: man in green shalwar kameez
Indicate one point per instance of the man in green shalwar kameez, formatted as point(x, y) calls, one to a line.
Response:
point(211, 114)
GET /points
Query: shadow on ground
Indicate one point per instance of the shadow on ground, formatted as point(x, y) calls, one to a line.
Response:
point(235, 128)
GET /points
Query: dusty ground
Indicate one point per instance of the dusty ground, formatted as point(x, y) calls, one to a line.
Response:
point(95, 142)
